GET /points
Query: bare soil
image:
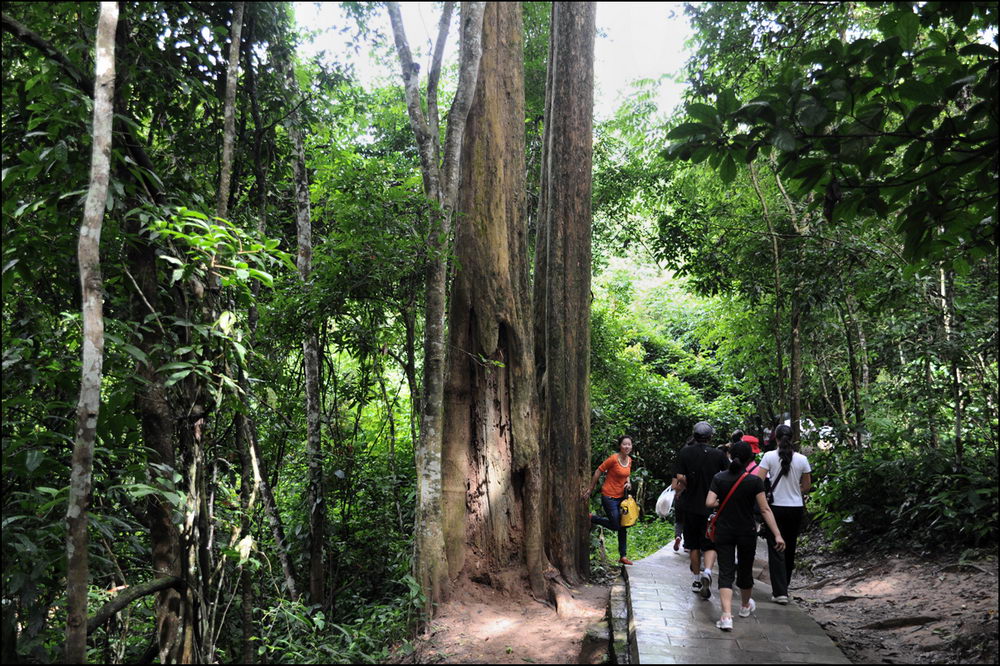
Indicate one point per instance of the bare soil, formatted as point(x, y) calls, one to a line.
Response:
point(485, 626)
point(901, 607)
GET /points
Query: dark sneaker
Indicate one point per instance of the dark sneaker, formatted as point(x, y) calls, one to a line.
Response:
point(706, 585)
point(696, 586)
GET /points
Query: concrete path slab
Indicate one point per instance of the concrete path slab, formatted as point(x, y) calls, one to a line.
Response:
point(675, 626)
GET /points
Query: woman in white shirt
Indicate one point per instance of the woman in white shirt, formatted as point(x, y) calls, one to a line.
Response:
point(791, 477)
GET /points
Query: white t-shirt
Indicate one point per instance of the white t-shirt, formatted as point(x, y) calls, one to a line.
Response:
point(787, 492)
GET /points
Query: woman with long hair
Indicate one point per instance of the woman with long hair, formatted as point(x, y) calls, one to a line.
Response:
point(790, 478)
point(736, 530)
point(617, 468)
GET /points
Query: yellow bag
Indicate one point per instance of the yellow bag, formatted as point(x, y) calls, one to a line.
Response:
point(630, 512)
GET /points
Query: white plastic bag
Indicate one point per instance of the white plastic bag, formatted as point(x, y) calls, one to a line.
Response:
point(665, 501)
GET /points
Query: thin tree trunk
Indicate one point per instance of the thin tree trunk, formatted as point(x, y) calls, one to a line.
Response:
point(440, 186)
point(795, 393)
point(91, 287)
point(852, 310)
point(565, 266)
point(852, 360)
point(954, 354)
point(310, 356)
point(229, 114)
point(776, 326)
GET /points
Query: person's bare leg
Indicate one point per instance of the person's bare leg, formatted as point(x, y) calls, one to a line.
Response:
point(744, 596)
point(726, 601)
point(696, 561)
point(709, 559)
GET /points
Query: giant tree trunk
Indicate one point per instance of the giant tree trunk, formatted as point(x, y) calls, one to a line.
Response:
point(491, 475)
point(89, 257)
point(430, 566)
point(310, 353)
point(562, 267)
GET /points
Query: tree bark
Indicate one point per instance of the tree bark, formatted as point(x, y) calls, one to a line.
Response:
point(440, 186)
point(310, 355)
point(776, 326)
point(563, 261)
point(229, 114)
point(852, 360)
point(490, 462)
point(91, 288)
point(954, 354)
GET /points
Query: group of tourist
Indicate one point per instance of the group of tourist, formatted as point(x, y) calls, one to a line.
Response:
point(747, 498)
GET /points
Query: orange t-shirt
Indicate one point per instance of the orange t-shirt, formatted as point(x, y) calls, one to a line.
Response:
point(616, 476)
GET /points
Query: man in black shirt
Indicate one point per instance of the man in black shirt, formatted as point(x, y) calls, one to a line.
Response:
point(696, 466)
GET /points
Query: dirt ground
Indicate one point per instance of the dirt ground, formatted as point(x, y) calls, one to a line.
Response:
point(909, 607)
point(491, 627)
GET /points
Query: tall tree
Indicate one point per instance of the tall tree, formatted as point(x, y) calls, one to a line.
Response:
point(310, 351)
point(491, 472)
point(562, 282)
point(440, 185)
point(91, 289)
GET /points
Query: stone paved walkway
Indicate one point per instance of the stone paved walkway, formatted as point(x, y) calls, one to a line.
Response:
point(675, 626)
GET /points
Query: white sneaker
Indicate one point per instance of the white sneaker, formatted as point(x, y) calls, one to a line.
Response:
point(782, 599)
point(746, 610)
point(725, 623)
point(706, 586)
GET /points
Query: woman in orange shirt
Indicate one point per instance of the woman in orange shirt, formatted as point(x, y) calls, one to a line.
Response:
point(617, 469)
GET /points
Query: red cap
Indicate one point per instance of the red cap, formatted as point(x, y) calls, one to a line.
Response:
point(753, 442)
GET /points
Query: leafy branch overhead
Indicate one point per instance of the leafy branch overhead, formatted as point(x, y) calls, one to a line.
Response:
point(898, 124)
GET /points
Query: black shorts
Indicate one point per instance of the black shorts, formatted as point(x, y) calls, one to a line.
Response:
point(694, 532)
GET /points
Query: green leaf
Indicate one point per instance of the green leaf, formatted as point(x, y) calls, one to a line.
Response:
point(703, 113)
point(918, 91)
point(685, 130)
point(812, 113)
point(907, 24)
point(920, 116)
point(727, 170)
point(176, 377)
point(173, 365)
point(979, 49)
point(783, 140)
point(727, 102)
point(137, 353)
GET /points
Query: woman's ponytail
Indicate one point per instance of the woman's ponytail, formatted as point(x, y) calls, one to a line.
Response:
point(783, 434)
point(741, 454)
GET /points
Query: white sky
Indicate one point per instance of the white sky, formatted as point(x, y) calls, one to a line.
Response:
point(642, 41)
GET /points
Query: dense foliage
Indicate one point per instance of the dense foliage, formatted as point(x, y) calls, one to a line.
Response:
point(815, 225)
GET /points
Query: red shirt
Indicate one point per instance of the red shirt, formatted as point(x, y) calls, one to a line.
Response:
point(616, 476)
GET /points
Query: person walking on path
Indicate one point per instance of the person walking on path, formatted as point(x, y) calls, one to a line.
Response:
point(696, 466)
point(617, 469)
point(736, 530)
point(791, 477)
point(678, 515)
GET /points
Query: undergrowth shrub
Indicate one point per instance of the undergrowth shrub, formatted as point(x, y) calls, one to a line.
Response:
point(889, 496)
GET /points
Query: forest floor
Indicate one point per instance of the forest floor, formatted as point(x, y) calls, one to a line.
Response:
point(901, 607)
point(485, 626)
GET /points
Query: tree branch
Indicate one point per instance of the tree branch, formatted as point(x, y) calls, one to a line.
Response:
point(434, 122)
point(130, 595)
point(418, 122)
